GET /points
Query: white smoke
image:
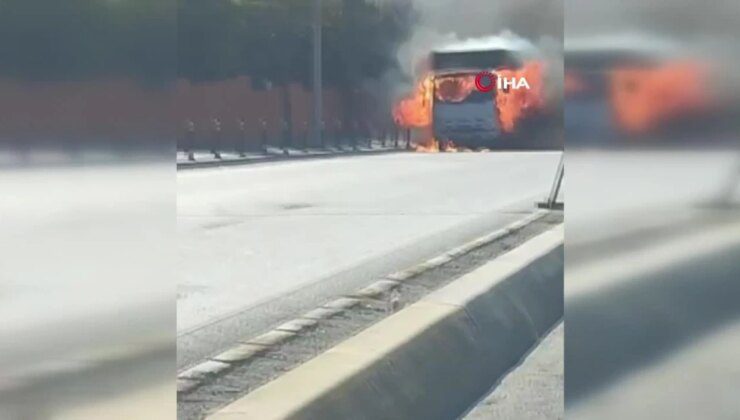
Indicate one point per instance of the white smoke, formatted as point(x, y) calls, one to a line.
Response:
point(533, 27)
point(478, 24)
point(413, 53)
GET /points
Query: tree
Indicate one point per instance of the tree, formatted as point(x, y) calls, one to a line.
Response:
point(83, 39)
point(361, 43)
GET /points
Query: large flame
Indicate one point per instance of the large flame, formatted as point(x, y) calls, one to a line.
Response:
point(515, 104)
point(510, 105)
point(455, 88)
point(428, 145)
point(643, 98)
point(431, 145)
point(415, 110)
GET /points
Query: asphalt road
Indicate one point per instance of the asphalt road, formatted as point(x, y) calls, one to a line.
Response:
point(85, 286)
point(651, 285)
point(260, 244)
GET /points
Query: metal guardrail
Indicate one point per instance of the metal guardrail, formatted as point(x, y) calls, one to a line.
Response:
point(355, 137)
point(217, 141)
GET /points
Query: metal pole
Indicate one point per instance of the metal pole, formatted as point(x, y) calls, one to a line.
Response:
point(263, 147)
point(317, 82)
point(552, 199)
point(555, 190)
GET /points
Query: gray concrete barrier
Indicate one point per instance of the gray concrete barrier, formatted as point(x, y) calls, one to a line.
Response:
point(433, 359)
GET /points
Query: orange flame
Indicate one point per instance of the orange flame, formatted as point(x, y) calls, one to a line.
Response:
point(427, 146)
point(644, 98)
point(415, 110)
point(454, 88)
point(431, 145)
point(514, 104)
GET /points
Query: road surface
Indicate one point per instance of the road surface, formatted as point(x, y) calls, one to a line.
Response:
point(531, 391)
point(85, 285)
point(652, 261)
point(259, 244)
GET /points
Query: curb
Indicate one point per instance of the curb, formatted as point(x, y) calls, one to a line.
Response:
point(465, 248)
point(193, 377)
point(434, 358)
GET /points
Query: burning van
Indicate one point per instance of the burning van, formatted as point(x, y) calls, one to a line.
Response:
point(633, 89)
point(473, 98)
point(462, 113)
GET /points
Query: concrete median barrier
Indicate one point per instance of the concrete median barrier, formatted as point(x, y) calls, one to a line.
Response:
point(433, 359)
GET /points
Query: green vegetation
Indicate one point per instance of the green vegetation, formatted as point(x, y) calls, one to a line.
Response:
point(82, 39)
point(271, 40)
point(157, 40)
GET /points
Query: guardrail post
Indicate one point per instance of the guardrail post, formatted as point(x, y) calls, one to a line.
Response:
point(263, 145)
point(216, 138)
point(189, 140)
point(367, 132)
point(322, 128)
point(356, 136)
point(306, 134)
point(286, 136)
point(241, 142)
point(338, 133)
